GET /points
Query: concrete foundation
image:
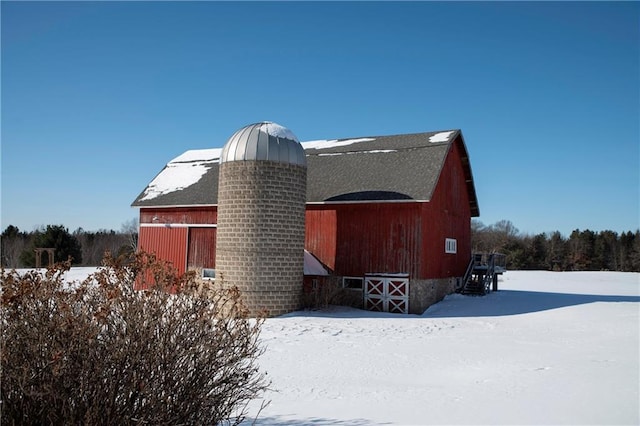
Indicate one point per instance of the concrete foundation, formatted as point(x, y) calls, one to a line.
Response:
point(424, 293)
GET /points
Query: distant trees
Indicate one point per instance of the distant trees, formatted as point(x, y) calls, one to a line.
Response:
point(581, 251)
point(87, 248)
point(129, 230)
point(53, 236)
point(96, 244)
point(12, 243)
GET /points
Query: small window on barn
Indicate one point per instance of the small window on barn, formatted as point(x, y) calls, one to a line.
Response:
point(355, 283)
point(450, 245)
point(208, 274)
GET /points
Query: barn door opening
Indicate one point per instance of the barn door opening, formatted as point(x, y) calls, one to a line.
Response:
point(387, 293)
point(201, 252)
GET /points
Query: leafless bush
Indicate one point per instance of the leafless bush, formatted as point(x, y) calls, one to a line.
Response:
point(325, 291)
point(102, 352)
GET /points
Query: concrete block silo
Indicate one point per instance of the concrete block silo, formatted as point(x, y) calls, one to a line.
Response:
point(261, 217)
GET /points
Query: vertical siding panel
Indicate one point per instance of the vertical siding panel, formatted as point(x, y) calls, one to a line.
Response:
point(378, 237)
point(202, 248)
point(168, 244)
point(321, 234)
point(448, 215)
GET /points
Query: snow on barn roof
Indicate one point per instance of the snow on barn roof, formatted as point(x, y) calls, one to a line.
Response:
point(182, 172)
point(381, 168)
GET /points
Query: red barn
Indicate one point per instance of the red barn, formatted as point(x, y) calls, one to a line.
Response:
point(390, 215)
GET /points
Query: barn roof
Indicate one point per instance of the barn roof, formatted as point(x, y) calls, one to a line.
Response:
point(383, 168)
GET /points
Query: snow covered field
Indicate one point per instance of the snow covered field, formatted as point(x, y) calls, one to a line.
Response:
point(548, 348)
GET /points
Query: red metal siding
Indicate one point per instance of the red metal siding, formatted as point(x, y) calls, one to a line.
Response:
point(192, 215)
point(320, 234)
point(354, 239)
point(382, 238)
point(167, 243)
point(202, 248)
point(447, 215)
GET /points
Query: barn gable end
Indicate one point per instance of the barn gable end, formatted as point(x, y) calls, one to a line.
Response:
point(356, 237)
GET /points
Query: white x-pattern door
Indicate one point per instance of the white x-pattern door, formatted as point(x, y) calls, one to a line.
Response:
point(387, 294)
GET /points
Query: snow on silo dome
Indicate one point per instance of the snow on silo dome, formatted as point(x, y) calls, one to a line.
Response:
point(264, 141)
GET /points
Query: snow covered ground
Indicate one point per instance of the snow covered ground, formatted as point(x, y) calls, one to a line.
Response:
point(548, 348)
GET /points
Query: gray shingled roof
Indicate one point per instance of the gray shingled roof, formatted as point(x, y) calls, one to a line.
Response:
point(384, 168)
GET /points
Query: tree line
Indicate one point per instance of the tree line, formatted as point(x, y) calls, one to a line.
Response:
point(85, 248)
point(583, 250)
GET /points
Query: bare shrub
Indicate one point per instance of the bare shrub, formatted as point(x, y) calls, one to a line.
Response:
point(325, 291)
point(101, 352)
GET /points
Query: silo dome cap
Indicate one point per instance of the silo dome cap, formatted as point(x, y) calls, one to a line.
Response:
point(264, 141)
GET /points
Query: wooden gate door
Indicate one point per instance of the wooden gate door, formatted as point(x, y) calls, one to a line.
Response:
point(387, 293)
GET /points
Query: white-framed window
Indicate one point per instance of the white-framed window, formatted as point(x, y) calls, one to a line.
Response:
point(450, 245)
point(355, 283)
point(208, 274)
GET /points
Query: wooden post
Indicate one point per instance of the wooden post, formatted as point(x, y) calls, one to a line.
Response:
point(495, 282)
point(50, 253)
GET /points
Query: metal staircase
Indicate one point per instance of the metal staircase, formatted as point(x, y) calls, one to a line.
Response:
point(482, 273)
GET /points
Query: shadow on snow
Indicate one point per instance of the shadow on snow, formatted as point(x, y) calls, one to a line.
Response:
point(515, 302)
point(500, 303)
point(273, 421)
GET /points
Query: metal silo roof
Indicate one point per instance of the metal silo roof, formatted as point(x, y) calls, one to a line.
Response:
point(264, 141)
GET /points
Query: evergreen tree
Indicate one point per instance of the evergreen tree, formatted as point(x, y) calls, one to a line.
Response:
point(581, 250)
point(11, 232)
point(557, 252)
point(634, 257)
point(606, 251)
point(516, 253)
point(57, 237)
point(538, 252)
point(625, 253)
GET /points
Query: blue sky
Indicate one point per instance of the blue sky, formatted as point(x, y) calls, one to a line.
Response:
point(97, 97)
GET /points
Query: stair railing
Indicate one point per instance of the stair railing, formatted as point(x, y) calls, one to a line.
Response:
point(468, 272)
point(488, 278)
point(500, 262)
